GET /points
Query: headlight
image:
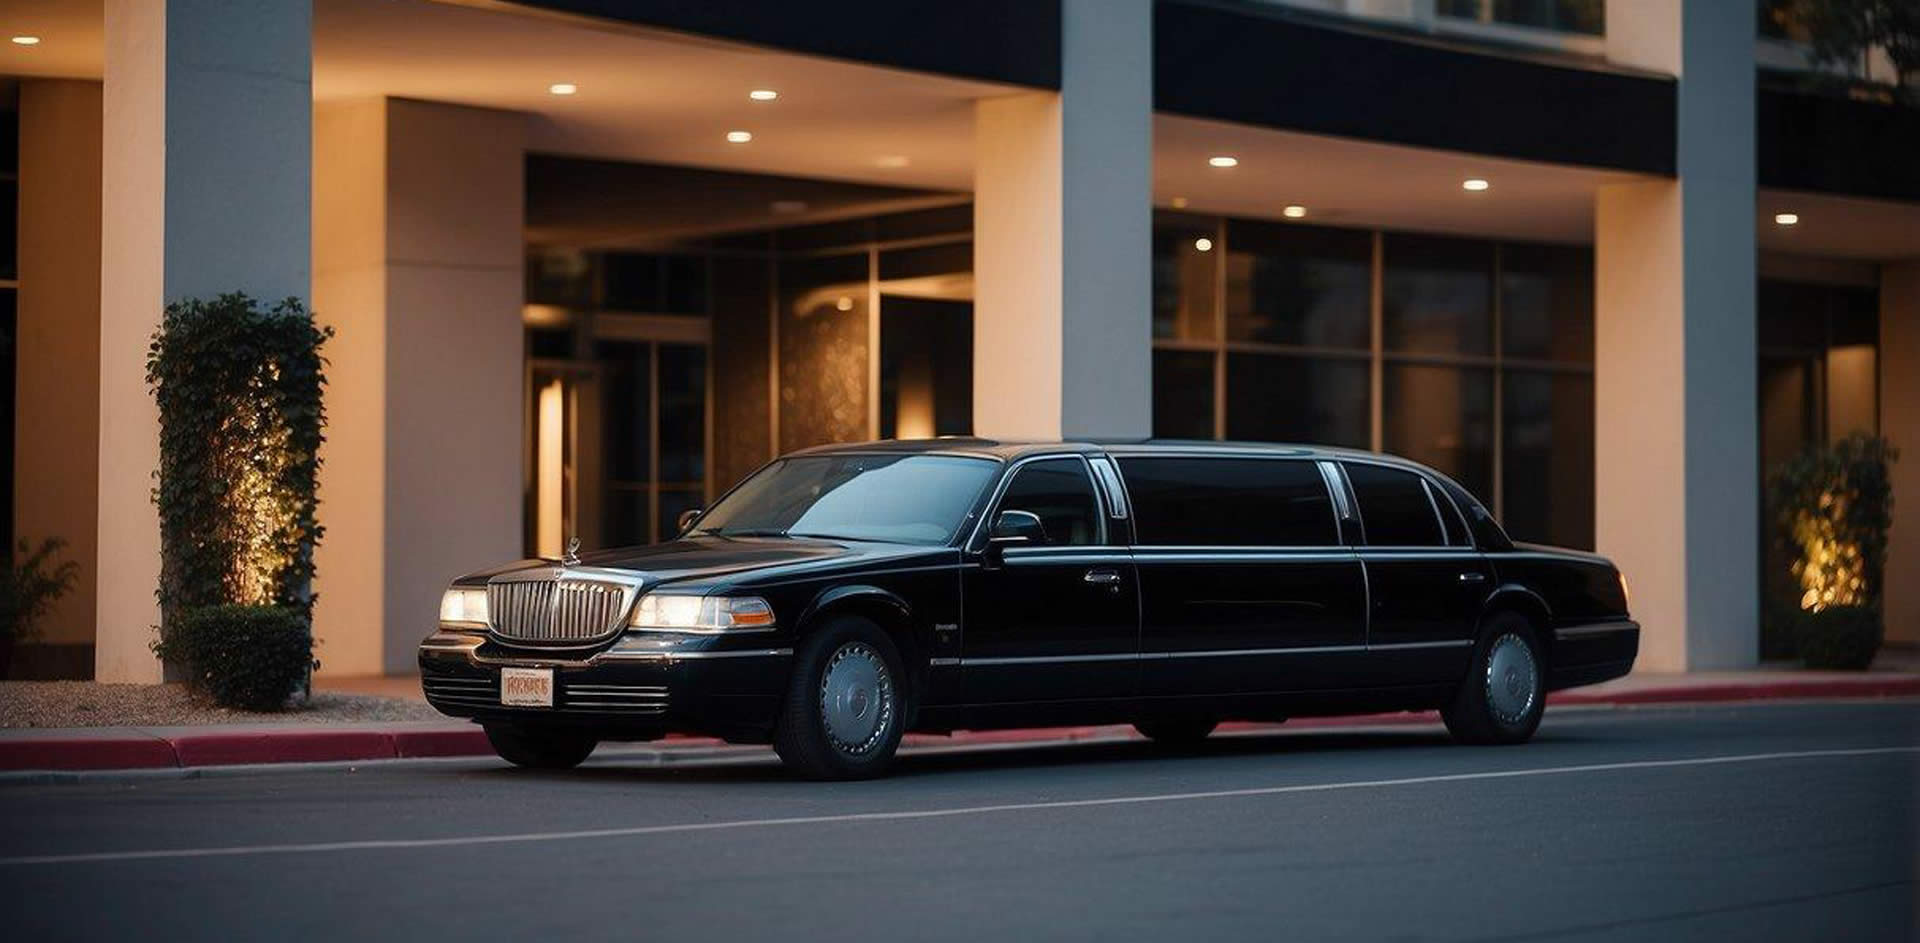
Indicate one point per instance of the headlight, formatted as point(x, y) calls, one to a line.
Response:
point(663, 612)
point(464, 608)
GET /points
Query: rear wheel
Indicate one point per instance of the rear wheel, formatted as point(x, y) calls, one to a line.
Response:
point(539, 747)
point(1176, 731)
point(1505, 692)
point(845, 707)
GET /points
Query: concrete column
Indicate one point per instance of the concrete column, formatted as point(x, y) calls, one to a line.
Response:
point(1676, 478)
point(204, 189)
point(418, 210)
point(1062, 238)
point(57, 382)
point(1900, 422)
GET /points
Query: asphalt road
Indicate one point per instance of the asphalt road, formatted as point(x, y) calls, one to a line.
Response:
point(1752, 823)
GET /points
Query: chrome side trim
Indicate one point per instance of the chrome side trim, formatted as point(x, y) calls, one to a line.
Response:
point(1405, 646)
point(1049, 659)
point(1598, 628)
point(754, 653)
point(943, 662)
point(1224, 653)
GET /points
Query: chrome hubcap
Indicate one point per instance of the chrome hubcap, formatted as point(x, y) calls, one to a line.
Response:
point(1513, 680)
point(856, 699)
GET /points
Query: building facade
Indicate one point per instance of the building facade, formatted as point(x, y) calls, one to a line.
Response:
point(589, 262)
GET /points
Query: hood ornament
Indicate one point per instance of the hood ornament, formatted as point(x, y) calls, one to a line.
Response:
point(572, 555)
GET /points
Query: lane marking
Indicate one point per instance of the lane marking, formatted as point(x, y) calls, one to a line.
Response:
point(910, 814)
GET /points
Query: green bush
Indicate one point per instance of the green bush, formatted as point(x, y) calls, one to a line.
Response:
point(1832, 507)
point(248, 657)
point(1841, 637)
point(241, 417)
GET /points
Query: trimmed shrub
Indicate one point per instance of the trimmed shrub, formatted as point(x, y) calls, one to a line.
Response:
point(248, 657)
point(1842, 638)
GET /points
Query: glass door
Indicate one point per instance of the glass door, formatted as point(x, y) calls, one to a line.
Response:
point(618, 432)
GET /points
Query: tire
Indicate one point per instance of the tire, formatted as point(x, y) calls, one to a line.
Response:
point(1504, 694)
point(536, 747)
point(1176, 731)
point(846, 705)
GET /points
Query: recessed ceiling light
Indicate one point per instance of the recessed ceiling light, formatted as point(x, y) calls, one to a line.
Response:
point(1475, 184)
point(1203, 244)
point(1787, 219)
point(563, 88)
point(763, 94)
point(843, 303)
point(892, 161)
point(1294, 211)
point(26, 40)
point(1179, 203)
point(739, 137)
point(1222, 160)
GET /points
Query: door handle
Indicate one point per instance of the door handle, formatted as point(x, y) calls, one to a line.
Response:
point(1103, 577)
point(1473, 577)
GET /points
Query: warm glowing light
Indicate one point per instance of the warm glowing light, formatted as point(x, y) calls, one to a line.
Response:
point(563, 88)
point(1294, 211)
point(739, 137)
point(1832, 571)
point(1787, 219)
point(1475, 184)
point(843, 303)
point(1203, 244)
point(1179, 203)
point(26, 40)
point(1223, 160)
point(892, 161)
point(763, 94)
point(549, 472)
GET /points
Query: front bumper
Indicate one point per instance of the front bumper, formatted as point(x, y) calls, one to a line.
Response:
point(1592, 653)
point(641, 688)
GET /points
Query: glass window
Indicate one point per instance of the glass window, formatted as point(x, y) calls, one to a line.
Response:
point(1441, 417)
point(1184, 257)
point(918, 499)
point(1058, 491)
point(683, 416)
point(1546, 303)
point(1281, 398)
point(1548, 461)
point(1229, 502)
point(1395, 509)
point(626, 370)
point(1183, 394)
point(1303, 285)
point(1567, 16)
point(1438, 295)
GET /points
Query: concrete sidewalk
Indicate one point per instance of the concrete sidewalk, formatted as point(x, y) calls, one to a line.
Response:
point(119, 748)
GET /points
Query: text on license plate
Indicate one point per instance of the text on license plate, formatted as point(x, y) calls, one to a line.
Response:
point(526, 687)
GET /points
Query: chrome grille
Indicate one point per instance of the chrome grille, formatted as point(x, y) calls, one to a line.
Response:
point(549, 611)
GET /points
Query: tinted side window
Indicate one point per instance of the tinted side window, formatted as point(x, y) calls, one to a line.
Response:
point(1394, 507)
point(1059, 492)
point(1229, 502)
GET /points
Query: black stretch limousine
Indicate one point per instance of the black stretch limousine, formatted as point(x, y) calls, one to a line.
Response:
point(844, 595)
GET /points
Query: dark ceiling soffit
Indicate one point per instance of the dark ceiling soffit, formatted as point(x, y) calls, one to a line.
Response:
point(1274, 70)
point(1823, 144)
point(1011, 41)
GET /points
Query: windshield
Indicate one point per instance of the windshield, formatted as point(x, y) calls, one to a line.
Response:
point(916, 499)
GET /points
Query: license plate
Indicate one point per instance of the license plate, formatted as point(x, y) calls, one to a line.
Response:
point(526, 687)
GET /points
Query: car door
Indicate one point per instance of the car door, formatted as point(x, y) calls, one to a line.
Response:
point(1056, 618)
point(1245, 585)
point(1426, 582)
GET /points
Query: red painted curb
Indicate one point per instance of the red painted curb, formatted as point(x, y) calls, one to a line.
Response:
point(230, 747)
point(282, 746)
point(87, 753)
point(417, 743)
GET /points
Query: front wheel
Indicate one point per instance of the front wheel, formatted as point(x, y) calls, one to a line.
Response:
point(845, 708)
point(539, 748)
point(1505, 693)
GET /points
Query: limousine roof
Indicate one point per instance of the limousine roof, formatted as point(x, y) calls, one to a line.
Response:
point(1008, 450)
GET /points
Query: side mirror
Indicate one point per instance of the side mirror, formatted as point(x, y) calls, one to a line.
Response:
point(687, 517)
point(1012, 529)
